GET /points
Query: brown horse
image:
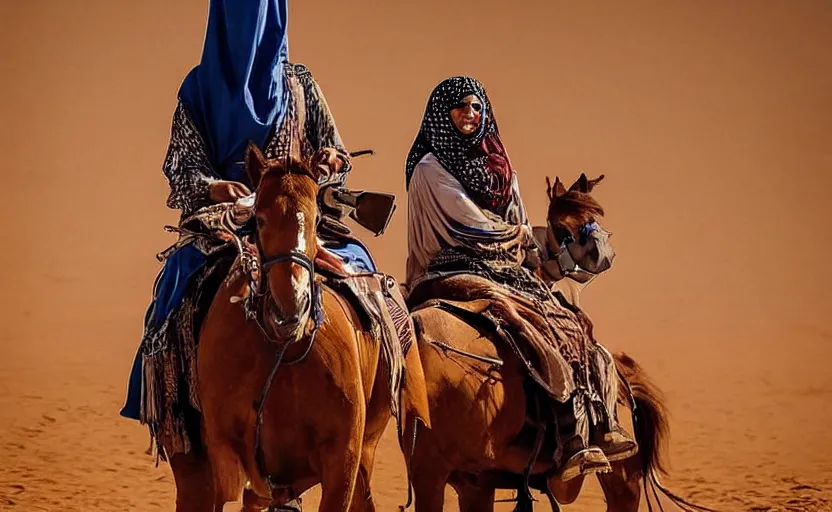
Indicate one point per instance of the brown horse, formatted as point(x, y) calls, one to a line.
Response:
point(480, 439)
point(317, 378)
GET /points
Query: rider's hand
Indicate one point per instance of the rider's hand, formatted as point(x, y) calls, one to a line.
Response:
point(222, 191)
point(327, 162)
point(532, 258)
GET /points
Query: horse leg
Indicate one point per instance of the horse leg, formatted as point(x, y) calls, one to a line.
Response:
point(227, 471)
point(252, 502)
point(429, 489)
point(622, 487)
point(340, 472)
point(340, 462)
point(362, 500)
point(474, 498)
point(566, 493)
point(194, 481)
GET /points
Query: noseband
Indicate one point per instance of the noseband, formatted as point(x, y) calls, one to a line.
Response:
point(567, 265)
point(294, 256)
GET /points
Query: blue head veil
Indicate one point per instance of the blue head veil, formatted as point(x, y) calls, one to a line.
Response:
point(238, 91)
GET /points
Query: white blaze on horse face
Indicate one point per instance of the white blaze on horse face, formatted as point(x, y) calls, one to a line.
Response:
point(300, 276)
point(301, 246)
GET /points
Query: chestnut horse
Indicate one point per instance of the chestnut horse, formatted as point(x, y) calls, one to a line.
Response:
point(299, 395)
point(479, 439)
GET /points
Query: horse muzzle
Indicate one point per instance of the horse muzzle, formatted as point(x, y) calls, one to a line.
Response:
point(290, 327)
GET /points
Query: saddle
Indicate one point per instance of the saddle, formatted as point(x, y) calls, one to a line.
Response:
point(376, 297)
point(519, 326)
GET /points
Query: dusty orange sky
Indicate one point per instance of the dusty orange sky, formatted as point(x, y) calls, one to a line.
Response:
point(712, 121)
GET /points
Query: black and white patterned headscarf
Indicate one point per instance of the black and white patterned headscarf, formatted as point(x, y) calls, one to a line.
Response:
point(479, 161)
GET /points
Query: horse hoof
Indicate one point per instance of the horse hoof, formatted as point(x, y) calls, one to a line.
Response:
point(291, 506)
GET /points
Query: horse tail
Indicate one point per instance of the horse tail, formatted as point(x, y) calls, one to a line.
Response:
point(652, 430)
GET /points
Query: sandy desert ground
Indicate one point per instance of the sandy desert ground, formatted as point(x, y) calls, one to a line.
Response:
point(712, 121)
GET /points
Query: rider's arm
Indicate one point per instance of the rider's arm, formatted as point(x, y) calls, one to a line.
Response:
point(517, 215)
point(186, 166)
point(322, 133)
point(517, 211)
point(441, 215)
point(451, 213)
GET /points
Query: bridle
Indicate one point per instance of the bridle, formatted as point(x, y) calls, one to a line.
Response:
point(260, 298)
point(567, 266)
point(262, 295)
point(258, 302)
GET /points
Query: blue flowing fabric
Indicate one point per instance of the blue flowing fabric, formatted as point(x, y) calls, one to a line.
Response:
point(238, 92)
point(170, 288)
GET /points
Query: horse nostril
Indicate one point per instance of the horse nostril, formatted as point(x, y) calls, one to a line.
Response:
point(292, 320)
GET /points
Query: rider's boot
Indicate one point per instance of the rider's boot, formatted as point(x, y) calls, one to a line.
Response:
point(617, 444)
point(609, 436)
point(577, 457)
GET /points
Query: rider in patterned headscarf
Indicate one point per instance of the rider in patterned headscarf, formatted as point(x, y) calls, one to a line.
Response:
point(478, 160)
point(468, 231)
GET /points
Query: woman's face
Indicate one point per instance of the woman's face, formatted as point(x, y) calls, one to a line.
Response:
point(467, 114)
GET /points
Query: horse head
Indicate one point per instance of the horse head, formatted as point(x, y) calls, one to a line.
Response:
point(574, 237)
point(286, 213)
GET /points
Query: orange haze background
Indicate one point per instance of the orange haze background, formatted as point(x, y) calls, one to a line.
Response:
point(712, 121)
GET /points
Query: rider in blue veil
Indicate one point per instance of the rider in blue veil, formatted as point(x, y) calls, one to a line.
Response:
point(243, 89)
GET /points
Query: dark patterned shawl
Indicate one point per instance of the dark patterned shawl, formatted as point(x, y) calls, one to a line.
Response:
point(479, 161)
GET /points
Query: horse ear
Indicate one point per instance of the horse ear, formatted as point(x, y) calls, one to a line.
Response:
point(559, 189)
point(556, 190)
point(592, 183)
point(581, 185)
point(255, 164)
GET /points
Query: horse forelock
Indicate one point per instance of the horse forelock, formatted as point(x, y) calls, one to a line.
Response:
point(276, 186)
point(572, 210)
point(288, 194)
point(288, 182)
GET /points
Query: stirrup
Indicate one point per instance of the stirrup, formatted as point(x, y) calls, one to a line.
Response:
point(585, 462)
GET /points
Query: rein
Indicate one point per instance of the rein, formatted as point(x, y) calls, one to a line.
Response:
point(298, 258)
point(315, 304)
point(257, 307)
